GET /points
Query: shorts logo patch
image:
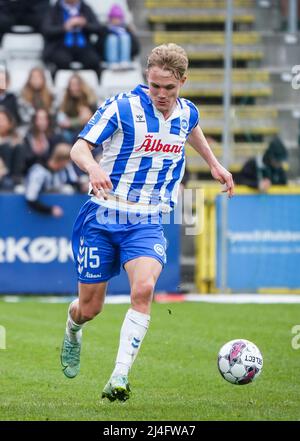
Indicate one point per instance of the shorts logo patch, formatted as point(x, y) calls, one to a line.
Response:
point(159, 249)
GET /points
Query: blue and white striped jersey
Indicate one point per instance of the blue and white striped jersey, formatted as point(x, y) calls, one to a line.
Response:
point(143, 154)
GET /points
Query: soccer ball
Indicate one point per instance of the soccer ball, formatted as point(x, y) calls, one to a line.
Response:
point(240, 361)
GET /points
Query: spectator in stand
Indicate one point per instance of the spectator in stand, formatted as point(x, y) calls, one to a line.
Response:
point(8, 100)
point(35, 94)
point(67, 29)
point(3, 174)
point(284, 9)
point(120, 43)
point(22, 12)
point(56, 176)
point(11, 152)
point(78, 105)
point(262, 172)
point(40, 139)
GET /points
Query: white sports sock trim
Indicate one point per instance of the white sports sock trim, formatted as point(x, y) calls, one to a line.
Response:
point(72, 328)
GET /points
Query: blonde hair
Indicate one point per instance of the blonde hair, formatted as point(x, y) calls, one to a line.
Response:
point(169, 57)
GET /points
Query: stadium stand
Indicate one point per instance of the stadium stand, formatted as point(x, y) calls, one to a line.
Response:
point(262, 104)
point(263, 101)
point(199, 28)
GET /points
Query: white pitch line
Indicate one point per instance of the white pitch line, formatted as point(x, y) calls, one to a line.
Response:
point(208, 298)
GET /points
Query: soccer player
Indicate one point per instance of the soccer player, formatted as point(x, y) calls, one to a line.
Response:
point(143, 134)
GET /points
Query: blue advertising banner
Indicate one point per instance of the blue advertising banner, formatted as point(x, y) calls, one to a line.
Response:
point(36, 256)
point(263, 242)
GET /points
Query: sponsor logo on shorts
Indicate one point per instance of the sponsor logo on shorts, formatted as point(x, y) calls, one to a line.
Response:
point(92, 276)
point(159, 249)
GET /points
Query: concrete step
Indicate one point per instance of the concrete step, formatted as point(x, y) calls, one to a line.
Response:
point(205, 75)
point(193, 4)
point(205, 37)
point(164, 18)
point(238, 90)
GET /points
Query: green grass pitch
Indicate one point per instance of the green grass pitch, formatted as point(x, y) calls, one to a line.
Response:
point(175, 376)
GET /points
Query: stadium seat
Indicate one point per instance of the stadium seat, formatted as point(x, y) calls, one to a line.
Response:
point(22, 29)
point(22, 45)
point(19, 70)
point(114, 82)
point(63, 75)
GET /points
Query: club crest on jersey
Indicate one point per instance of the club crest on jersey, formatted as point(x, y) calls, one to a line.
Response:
point(150, 144)
point(184, 124)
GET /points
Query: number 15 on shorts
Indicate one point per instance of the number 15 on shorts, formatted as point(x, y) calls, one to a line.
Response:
point(88, 258)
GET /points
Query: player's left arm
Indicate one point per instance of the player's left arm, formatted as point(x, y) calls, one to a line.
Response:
point(198, 141)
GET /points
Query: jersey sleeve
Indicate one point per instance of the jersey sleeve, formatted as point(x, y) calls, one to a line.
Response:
point(194, 116)
point(102, 125)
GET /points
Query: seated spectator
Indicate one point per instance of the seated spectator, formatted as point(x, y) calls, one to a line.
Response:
point(67, 29)
point(3, 174)
point(262, 172)
point(22, 12)
point(35, 94)
point(120, 43)
point(8, 100)
point(40, 139)
point(56, 176)
point(11, 153)
point(78, 105)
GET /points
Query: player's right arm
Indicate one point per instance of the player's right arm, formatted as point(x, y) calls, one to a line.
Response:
point(102, 126)
point(82, 156)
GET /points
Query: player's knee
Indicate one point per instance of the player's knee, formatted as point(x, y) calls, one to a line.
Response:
point(88, 312)
point(142, 292)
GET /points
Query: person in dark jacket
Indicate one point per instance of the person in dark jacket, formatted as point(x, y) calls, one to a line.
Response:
point(11, 152)
point(67, 29)
point(40, 139)
point(22, 12)
point(262, 172)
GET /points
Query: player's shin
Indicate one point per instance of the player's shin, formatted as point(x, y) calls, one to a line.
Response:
point(133, 331)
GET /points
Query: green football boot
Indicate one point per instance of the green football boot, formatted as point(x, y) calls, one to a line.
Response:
point(70, 357)
point(117, 388)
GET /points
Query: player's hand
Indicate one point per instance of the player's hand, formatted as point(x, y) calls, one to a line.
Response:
point(99, 180)
point(224, 177)
point(57, 211)
point(264, 185)
point(74, 22)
